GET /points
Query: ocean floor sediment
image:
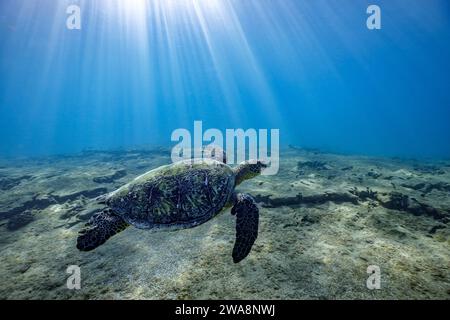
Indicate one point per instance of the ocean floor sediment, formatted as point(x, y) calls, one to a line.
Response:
point(324, 218)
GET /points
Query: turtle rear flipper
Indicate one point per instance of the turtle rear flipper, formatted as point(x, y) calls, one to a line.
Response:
point(100, 228)
point(247, 218)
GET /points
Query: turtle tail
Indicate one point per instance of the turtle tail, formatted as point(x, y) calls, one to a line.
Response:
point(100, 228)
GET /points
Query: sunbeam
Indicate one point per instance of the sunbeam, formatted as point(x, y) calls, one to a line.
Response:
point(136, 70)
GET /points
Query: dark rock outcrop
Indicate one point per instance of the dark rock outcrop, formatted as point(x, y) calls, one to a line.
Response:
point(428, 187)
point(299, 199)
point(401, 202)
point(314, 165)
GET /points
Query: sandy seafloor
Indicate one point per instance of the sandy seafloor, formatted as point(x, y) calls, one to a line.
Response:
point(323, 220)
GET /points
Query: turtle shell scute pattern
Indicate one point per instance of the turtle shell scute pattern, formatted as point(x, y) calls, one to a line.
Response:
point(176, 197)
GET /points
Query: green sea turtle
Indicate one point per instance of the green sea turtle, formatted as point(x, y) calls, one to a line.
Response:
point(181, 195)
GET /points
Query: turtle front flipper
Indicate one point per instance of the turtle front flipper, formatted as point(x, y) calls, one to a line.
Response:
point(100, 228)
point(247, 218)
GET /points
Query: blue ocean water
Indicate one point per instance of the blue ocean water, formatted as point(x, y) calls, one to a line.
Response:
point(137, 70)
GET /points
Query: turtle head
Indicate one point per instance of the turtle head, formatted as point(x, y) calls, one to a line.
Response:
point(248, 169)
